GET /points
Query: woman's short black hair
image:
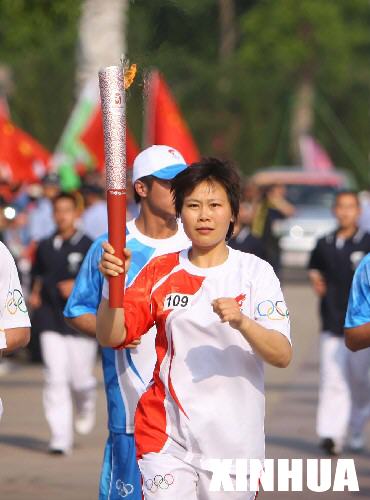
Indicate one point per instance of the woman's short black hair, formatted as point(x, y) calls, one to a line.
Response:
point(209, 170)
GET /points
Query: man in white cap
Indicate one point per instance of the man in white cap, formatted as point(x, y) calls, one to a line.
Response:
point(14, 320)
point(127, 373)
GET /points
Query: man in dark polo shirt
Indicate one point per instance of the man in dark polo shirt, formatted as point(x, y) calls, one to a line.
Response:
point(331, 269)
point(69, 358)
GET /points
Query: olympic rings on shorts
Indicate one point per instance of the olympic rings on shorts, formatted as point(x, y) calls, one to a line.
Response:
point(124, 489)
point(159, 481)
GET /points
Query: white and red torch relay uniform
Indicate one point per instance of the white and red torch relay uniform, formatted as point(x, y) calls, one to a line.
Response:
point(207, 396)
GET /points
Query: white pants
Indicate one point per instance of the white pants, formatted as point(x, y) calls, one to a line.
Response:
point(167, 477)
point(69, 366)
point(344, 392)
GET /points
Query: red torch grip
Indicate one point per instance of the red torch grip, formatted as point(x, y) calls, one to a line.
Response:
point(116, 201)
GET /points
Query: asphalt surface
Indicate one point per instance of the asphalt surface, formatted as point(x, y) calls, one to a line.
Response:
point(28, 472)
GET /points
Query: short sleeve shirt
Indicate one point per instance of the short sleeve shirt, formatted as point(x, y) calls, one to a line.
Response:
point(13, 310)
point(208, 381)
point(57, 260)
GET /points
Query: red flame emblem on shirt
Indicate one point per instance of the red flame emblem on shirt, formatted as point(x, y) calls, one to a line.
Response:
point(240, 299)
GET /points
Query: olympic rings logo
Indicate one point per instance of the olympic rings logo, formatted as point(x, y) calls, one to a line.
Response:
point(162, 482)
point(124, 489)
point(15, 302)
point(276, 311)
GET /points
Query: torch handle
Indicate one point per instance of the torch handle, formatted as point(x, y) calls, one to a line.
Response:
point(116, 202)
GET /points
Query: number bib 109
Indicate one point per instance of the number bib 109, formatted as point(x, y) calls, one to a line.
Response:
point(176, 301)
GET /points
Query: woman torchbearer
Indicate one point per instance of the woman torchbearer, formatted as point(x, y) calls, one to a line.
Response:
point(220, 314)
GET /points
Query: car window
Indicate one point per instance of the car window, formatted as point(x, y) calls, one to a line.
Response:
point(301, 194)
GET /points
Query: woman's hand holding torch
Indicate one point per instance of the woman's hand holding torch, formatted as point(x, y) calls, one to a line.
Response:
point(112, 266)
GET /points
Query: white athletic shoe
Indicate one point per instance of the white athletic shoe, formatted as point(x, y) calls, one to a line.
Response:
point(84, 423)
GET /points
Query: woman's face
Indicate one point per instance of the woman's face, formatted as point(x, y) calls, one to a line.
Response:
point(206, 215)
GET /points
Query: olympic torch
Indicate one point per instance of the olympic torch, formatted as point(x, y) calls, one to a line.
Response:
point(112, 94)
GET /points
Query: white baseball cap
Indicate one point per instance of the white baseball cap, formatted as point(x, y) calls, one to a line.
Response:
point(160, 161)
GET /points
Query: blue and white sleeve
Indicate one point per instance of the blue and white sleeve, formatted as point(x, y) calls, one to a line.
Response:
point(86, 294)
point(358, 309)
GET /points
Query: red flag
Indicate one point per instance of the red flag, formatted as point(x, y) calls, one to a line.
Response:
point(164, 122)
point(22, 158)
point(314, 157)
point(93, 138)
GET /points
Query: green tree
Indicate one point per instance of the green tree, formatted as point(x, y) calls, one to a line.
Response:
point(244, 106)
point(38, 42)
point(241, 102)
point(319, 47)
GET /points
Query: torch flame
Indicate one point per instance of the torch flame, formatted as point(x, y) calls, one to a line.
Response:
point(129, 74)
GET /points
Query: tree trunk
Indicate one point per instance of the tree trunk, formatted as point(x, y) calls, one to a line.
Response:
point(227, 28)
point(302, 116)
point(102, 37)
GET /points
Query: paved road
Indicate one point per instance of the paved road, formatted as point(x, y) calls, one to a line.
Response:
point(292, 399)
point(27, 472)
